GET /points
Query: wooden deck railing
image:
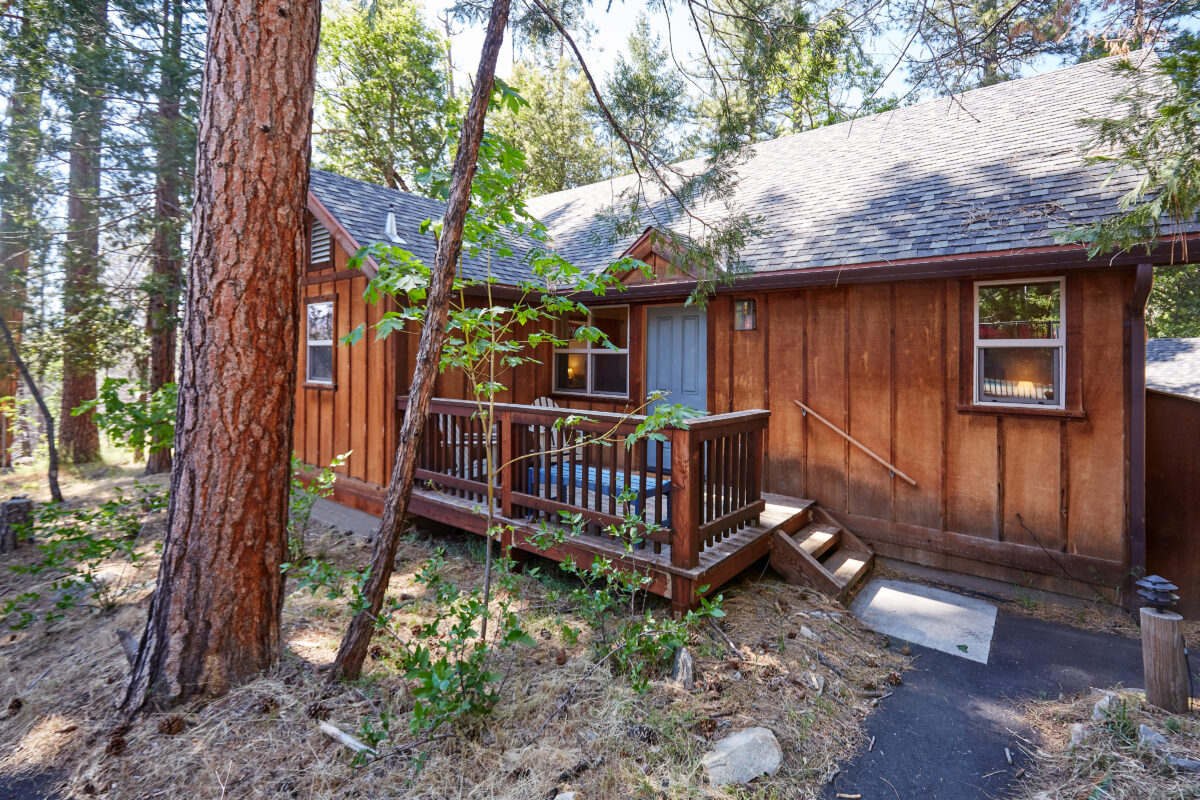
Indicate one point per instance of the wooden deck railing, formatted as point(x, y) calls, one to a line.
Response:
point(690, 493)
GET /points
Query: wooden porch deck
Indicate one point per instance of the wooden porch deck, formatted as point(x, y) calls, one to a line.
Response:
point(703, 519)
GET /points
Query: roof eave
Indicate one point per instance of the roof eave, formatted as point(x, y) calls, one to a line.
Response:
point(1065, 257)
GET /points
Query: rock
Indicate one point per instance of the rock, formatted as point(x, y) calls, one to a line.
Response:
point(1079, 735)
point(567, 796)
point(684, 671)
point(742, 757)
point(1150, 737)
point(807, 633)
point(1184, 764)
point(1103, 707)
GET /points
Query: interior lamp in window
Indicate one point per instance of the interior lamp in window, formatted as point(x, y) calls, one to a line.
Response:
point(744, 316)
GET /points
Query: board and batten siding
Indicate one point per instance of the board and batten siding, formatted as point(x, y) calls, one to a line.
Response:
point(1035, 499)
point(1039, 499)
point(354, 414)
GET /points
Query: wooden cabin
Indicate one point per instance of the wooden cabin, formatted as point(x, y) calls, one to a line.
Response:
point(908, 362)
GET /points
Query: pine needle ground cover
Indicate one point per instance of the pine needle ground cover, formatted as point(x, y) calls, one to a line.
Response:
point(1135, 752)
point(784, 658)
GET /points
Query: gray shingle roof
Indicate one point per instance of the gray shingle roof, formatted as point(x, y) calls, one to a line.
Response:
point(1173, 365)
point(362, 209)
point(997, 168)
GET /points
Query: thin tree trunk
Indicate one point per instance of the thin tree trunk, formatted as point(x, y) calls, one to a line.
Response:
point(215, 615)
point(52, 471)
point(79, 436)
point(163, 303)
point(433, 333)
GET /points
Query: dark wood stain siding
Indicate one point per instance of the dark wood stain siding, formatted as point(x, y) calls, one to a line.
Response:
point(1034, 499)
point(882, 361)
point(1173, 494)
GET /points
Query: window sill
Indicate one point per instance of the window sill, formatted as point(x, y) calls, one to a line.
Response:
point(329, 387)
point(1016, 411)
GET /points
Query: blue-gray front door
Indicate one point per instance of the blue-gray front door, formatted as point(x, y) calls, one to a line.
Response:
point(676, 357)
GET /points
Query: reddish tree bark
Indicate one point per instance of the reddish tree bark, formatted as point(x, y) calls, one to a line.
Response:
point(79, 438)
point(17, 201)
point(215, 615)
point(161, 310)
point(353, 650)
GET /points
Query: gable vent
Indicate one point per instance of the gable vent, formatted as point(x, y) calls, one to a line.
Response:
point(320, 243)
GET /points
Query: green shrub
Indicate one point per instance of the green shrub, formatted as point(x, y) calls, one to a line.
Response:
point(145, 422)
point(75, 546)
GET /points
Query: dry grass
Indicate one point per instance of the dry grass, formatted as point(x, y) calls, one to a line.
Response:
point(1111, 763)
point(803, 667)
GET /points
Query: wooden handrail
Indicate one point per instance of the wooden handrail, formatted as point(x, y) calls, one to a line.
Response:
point(891, 467)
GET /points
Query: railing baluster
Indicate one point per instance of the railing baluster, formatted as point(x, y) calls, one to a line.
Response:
point(658, 494)
point(612, 496)
point(642, 482)
point(709, 485)
point(727, 476)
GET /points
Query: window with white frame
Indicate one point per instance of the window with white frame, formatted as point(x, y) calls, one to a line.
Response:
point(1020, 343)
point(319, 340)
point(594, 368)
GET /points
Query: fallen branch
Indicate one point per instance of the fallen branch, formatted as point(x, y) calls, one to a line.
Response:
point(345, 739)
point(724, 637)
point(822, 659)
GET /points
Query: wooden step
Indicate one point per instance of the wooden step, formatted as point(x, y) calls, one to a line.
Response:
point(821, 553)
point(847, 567)
point(817, 537)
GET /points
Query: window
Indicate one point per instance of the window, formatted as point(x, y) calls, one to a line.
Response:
point(585, 368)
point(1020, 343)
point(744, 315)
point(319, 341)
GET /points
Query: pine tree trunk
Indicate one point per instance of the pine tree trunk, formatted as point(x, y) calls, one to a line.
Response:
point(17, 205)
point(79, 439)
point(353, 650)
point(215, 615)
point(161, 322)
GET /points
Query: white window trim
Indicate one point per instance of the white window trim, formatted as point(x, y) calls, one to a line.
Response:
point(1059, 342)
point(309, 342)
point(582, 349)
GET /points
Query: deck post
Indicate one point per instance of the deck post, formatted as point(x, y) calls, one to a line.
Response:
point(755, 456)
point(685, 502)
point(507, 468)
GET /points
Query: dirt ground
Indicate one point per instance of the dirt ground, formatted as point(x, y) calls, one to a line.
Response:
point(798, 664)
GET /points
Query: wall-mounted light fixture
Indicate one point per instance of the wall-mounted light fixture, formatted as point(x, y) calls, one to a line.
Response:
point(744, 316)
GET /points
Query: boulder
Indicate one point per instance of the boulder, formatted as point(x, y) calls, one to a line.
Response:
point(1150, 737)
point(1104, 706)
point(1184, 764)
point(1079, 735)
point(567, 796)
point(742, 757)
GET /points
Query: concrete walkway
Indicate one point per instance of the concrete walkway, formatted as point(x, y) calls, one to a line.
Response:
point(345, 518)
point(942, 735)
